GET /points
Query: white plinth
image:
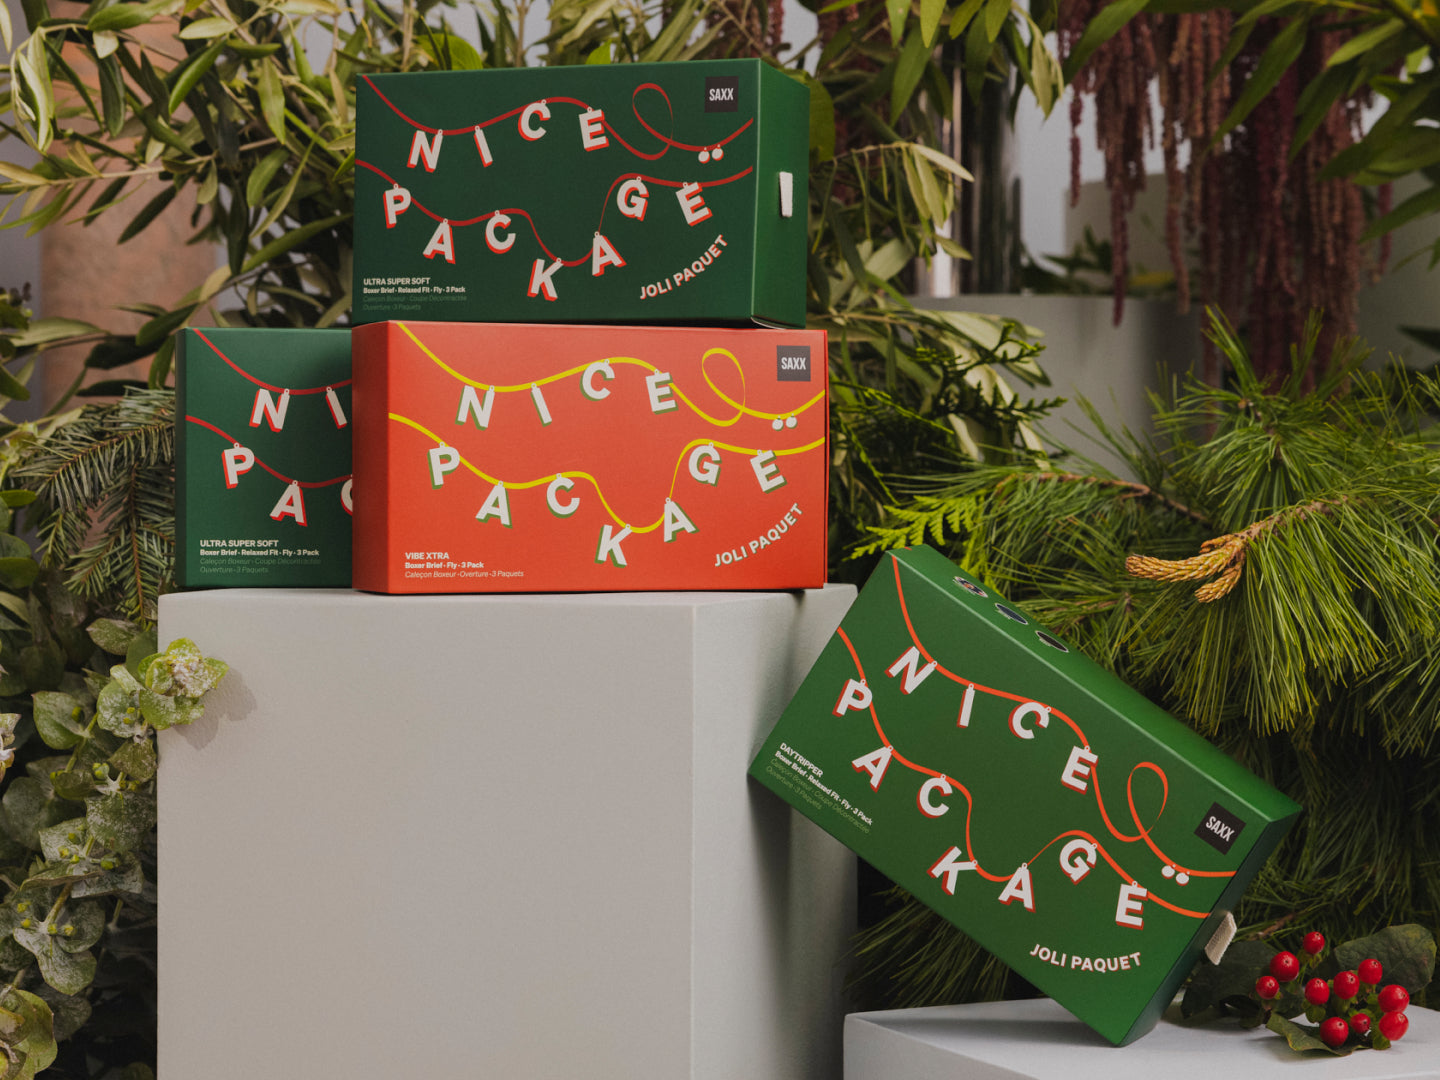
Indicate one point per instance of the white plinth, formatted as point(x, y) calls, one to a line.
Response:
point(499, 837)
point(1038, 1040)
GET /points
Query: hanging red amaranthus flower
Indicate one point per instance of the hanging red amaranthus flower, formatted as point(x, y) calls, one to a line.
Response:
point(1273, 239)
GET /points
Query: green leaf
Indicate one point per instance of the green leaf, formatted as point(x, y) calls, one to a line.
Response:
point(85, 923)
point(1302, 1038)
point(12, 388)
point(600, 54)
point(191, 72)
point(136, 760)
point(29, 807)
point(42, 666)
point(1363, 43)
point(204, 29)
point(292, 239)
point(19, 573)
point(897, 11)
point(162, 326)
point(908, 69)
point(1418, 205)
point(29, 1030)
point(1233, 977)
point(822, 120)
point(1406, 952)
point(160, 367)
point(59, 718)
point(53, 329)
point(148, 213)
point(125, 16)
point(1428, 336)
point(463, 56)
point(121, 821)
point(113, 710)
point(945, 162)
point(1105, 25)
point(113, 635)
point(1279, 56)
point(1265, 7)
point(124, 876)
point(66, 971)
point(1314, 105)
point(17, 497)
point(997, 12)
point(162, 712)
point(31, 62)
point(76, 785)
point(930, 12)
point(260, 177)
point(962, 16)
point(67, 836)
point(272, 98)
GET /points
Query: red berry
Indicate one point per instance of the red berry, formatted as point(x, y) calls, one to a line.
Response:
point(1334, 1031)
point(1393, 1025)
point(1360, 1023)
point(1347, 985)
point(1284, 966)
point(1370, 972)
point(1314, 942)
point(1317, 991)
point(1267, 987)
point(1394, 998)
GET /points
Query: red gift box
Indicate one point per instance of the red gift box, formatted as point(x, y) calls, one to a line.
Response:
point(497, 457)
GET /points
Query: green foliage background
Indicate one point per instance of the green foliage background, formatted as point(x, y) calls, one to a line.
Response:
point(1320, 669)
point(249, 104)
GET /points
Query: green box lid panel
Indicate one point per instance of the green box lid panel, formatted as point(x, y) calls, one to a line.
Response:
point(262, 458)
point(644, 193)
point(1030, 797)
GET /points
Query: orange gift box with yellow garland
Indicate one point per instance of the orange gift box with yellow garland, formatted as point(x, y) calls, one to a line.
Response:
point(502, 457)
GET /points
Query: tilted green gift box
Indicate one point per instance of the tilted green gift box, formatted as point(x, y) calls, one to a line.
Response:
point(262, 457)
point(1030, 797)
point(609, 193)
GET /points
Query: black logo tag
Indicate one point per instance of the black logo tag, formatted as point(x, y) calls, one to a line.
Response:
point(1220, 828)
point(792, 363)
point(722, 93)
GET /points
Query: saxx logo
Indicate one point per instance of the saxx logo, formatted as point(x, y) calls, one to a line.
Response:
point(722, 93)
point(792, 363)
point(1220, 828)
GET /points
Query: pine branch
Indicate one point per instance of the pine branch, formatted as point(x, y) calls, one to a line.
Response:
point(105, 500)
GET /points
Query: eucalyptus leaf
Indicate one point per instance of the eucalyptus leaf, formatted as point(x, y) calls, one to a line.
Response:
point(70, 1012)
point(113, 635)
point(136, 760)
point(123, 877)
point(59, 718)
point(81, 925)
point(31, 806)
point(34, 1037)
point(121, 821)
point(66, 971)
point(117, 710)
point(67, 835)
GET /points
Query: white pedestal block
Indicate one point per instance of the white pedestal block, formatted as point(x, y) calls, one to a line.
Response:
point(504, 837)
point(1038, 1040)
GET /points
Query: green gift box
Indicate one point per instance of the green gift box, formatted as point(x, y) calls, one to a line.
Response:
point(262, 457)
point(1066, 823)
point(612, 193)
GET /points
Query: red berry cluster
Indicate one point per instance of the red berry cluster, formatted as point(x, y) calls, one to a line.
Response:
point(1347, 1007)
